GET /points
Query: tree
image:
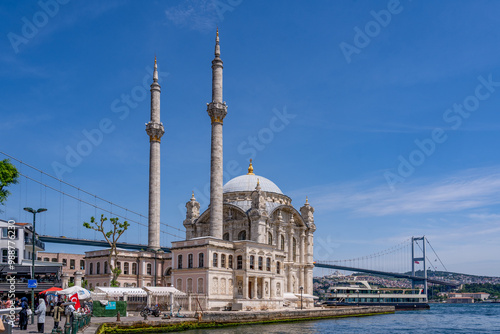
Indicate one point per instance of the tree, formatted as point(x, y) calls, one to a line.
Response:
point(8, 176)
point(111, 237)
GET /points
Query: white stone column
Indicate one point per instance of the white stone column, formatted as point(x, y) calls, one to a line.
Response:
point(245, 287)
point(155, 131)
point(217, 110)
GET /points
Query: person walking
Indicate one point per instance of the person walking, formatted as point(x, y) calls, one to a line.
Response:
point(40, 311)
point(23, 314)
point(58, 312)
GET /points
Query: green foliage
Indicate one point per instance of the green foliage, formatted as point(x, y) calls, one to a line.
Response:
point(492, 289)
point(111, 236)
point(8, 175)
point(70, 284)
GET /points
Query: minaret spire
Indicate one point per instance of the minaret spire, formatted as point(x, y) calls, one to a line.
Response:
point(217, 110)
point(155, 131)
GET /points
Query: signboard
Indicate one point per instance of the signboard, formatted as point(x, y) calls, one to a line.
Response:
point(111, 306)
point(32, 283)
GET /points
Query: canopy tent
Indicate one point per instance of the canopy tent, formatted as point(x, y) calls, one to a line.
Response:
point(290, 296)
point(306, 296)
point(83, 294)
point(163, 291)
point(119, 292)
point(51, 291)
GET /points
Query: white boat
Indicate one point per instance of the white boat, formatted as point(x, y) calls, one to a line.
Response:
point(353, 292)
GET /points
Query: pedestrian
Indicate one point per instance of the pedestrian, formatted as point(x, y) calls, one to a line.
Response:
point(58, 312)
point(40, 311)
point(23, 314)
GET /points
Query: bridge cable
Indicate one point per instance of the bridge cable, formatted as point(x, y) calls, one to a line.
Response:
point(84, 191)
point(436, 254)
point(90, 204)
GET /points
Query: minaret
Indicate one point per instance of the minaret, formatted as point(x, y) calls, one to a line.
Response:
point(217, 110)
point(154, 130)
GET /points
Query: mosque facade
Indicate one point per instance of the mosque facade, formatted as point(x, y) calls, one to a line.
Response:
point(251, 249)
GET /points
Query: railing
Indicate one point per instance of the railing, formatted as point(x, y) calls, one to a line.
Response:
point(38, 243)
point(79, 323)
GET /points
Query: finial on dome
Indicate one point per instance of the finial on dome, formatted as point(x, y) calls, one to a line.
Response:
point(307, 201)
point(192, 197)
point(250, 169)
point(258, 185)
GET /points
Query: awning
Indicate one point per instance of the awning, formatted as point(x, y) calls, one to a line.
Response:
point(290, 296)
point(306, 296)
point(163, 291)
point(119, 292)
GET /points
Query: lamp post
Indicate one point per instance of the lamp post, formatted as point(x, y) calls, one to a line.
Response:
point(33, 260)
point(301, 288)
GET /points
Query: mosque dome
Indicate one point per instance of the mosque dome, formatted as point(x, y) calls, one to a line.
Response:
point(248, 182)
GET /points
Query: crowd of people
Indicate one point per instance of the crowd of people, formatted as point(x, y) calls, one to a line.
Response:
point(50, 305)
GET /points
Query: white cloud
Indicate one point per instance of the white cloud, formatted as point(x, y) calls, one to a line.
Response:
point(469, 189)
point(198, 15)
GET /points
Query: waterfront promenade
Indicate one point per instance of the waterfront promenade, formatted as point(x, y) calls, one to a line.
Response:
point(225, 317)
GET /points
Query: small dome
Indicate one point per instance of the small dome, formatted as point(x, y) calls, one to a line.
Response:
point(249, 182)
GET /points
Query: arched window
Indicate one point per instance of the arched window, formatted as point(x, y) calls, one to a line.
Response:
point(269, 238)
point(179, 261)
point(225, 236)
point(179, 284)
point(168, 272)
point(201, 258)
point(190, 260)
point(134, 268)
point(260, 263)
point(200, 285)
point(239, 262)
point(126, 268)
point(189, 285)
point(282, 243)
point(278, 269)
point(230, 262)
point(91, 269)
point(105, 284)
point(82, 264)
point(148, 269)
point(294, 249)
point(216, 257)
point(242, 235)
point(97, 284)
point(268, 264)
point(46, 259)
point(252, 262)
point(223, 261)
point(118, 265)
point(98, 268)
point(105, 269)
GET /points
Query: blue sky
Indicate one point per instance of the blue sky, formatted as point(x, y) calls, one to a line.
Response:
point(384, 113)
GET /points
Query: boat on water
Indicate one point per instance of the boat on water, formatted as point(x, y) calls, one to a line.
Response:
point(349, 293)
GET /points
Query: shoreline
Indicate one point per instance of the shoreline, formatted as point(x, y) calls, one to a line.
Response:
point(228, 319)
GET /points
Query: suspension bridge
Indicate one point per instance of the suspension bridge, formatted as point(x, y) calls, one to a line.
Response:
point(76, 204)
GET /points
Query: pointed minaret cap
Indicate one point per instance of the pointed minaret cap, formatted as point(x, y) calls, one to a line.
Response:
point(307, 201)
point(217, 47)
point(192, 197)
point(250, 168)
point(155, 72)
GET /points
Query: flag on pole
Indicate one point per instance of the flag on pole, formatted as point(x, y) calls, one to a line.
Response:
point(74, 298)
point(417, 262)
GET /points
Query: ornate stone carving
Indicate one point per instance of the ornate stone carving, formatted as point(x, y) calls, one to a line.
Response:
point(155, 131)
point(217, 111)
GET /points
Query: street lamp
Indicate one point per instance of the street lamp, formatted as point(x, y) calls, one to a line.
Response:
point(33, 260)
point(301, 288)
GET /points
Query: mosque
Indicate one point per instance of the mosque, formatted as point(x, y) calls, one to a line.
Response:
point(250, 249)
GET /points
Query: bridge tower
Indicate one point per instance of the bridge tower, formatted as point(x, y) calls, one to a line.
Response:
point(418, 259)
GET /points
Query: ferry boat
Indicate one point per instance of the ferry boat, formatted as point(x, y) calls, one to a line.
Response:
point(350, 293)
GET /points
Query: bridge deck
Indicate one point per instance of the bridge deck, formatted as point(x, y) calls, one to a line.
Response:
point(97, 243)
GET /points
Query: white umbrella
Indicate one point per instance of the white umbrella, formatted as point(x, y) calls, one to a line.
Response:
point(83, 294)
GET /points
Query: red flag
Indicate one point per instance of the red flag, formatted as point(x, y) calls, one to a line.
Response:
point(75, 299)
point(417, 262)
